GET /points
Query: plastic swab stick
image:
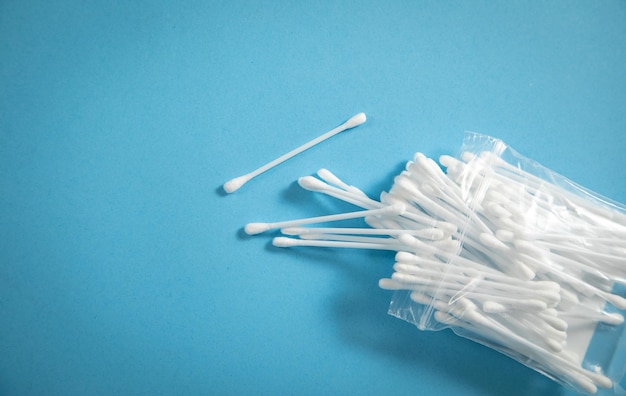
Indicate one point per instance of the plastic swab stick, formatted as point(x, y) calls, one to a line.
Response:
point(236, 183)
point(293, 242)
point(349, 238)
point(427, 233)
point(257, 228)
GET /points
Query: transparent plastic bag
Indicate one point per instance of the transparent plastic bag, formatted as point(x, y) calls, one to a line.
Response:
point(534, 269)
point(499, 249)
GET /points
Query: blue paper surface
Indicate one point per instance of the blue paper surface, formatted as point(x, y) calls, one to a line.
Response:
point(123, 267)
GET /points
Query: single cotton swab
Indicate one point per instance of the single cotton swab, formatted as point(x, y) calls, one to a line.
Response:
point(236, 183)
point(426, 233)
point(293, 242)
point(257, 228)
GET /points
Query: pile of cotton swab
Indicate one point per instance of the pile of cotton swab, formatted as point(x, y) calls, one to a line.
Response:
point(490, 250)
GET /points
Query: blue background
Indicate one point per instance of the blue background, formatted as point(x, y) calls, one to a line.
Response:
point(123, 268)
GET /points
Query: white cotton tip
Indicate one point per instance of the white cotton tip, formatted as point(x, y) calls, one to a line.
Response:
point(554, 345)
point(448, 161)
point(444, 318)
point(448, 245)
point(403, 188)
point(312, 184)
point(522, 271)
point(235, 184)
point(494, 307)
point(406, 257)
point(389, 284)
point(422, 298)
point(613, 319)
point(407, 239)
point(466, 304)
point(432, 168)
point(284, 242)
point(435, 234)
point(601, 380)
point(396, 209)
point(535, 304)
point(496, 210)
point(256, 228)
point(473, 316)
point(447, 227)
point(355, 121)
point(496, 197)
point(618, 301)
point(551, 297)
point(555, 322)
point(467, 156)
point(418, 156)
point(550, 312)
point(330, 177)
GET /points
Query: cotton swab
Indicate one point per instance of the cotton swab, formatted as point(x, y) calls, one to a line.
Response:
point(257, 228)
point(236, 183)
point(426, 233)
point(292, 242)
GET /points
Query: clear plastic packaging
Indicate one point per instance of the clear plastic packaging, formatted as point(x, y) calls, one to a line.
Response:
point(534, 269)
point(499, 249)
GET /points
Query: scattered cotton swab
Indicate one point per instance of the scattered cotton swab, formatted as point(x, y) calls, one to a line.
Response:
point(236, 183)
